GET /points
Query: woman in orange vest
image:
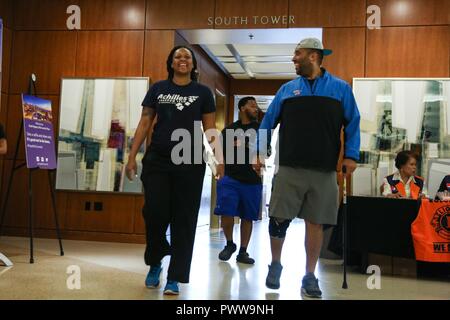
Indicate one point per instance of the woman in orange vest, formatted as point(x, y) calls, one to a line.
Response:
point(404, 183)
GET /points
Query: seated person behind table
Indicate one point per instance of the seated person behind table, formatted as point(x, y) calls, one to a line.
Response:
point(444, 187)
point(404, 183)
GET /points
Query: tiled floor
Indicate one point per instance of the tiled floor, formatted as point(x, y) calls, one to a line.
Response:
point(117, 271)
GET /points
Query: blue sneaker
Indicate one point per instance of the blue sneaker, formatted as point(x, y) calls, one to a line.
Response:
point(152, 280)
point(310, 286)
point(273, 277)
point(172, 288)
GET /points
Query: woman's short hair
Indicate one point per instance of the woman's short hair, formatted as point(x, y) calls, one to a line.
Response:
point(170, 71)
point(403, 157)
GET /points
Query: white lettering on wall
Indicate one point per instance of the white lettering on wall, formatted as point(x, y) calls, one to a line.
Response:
point(244, 20)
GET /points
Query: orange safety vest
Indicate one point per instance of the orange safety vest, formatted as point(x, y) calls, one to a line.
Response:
point(397, 186)
point(431, 231)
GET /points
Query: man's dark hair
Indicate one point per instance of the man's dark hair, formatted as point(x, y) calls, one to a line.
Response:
point(170, 71)
point(244, 101)
point(319, 53)
point(403, 157)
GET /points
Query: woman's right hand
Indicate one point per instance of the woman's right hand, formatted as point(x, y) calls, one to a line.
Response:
point(131, 169)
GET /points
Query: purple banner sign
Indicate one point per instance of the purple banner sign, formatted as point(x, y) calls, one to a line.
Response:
point(38, 132)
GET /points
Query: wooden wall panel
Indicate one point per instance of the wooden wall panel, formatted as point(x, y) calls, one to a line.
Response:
point(95, 14)
point(210, 74)
point(139, 224)
point(407, 52)
point(17, 209)
point(117, 215)
point(207, 74)
point(347, 59)
point(109, 53)
point(6, 59)
point(415, 12)
point(1, 175)
point(77, 235)
point(42, 14)
point(112, 14)
point(157, 47)
point(3, 111)
point(6, 13)
point(222, 107)
point(42, 203)
point(14, 116)
point(328, 13)
point(222, 83)
point(3, 107)
point(179, 14)
point(45, 218)
point(258, 12)
point(50, 55)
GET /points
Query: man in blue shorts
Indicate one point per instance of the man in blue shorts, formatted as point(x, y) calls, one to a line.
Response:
point(239, 191)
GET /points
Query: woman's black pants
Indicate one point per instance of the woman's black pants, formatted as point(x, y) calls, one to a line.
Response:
point(172, 197)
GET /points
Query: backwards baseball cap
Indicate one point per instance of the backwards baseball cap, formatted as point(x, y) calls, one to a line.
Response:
point(313, 43)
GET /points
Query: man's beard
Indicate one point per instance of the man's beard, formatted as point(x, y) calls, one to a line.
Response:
point(305, 69)
point(250, 116)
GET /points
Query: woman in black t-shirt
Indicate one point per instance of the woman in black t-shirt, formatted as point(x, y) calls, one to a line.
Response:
point(173, 172)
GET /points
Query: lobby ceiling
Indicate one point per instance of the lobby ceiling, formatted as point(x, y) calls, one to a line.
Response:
point(252, 53)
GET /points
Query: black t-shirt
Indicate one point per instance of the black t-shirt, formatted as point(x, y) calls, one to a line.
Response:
point(2, 132)
point(177, 107)
point(241, 171)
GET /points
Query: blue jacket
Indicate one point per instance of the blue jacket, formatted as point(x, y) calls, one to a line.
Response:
point(311, 119)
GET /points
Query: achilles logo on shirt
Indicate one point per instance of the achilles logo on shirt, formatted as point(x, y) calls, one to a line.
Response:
point(179, 101)
point(441, 222)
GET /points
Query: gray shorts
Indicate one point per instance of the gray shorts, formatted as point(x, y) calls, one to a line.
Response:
point(307, 194)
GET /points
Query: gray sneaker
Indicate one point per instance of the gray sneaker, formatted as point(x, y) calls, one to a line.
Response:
point(273, 277)
point(226, 253)
point(244, 258)
point(310, 286)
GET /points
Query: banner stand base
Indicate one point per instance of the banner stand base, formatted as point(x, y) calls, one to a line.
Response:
point(5, 260)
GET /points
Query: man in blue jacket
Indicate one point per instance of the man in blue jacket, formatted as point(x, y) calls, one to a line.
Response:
point(311, 110)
